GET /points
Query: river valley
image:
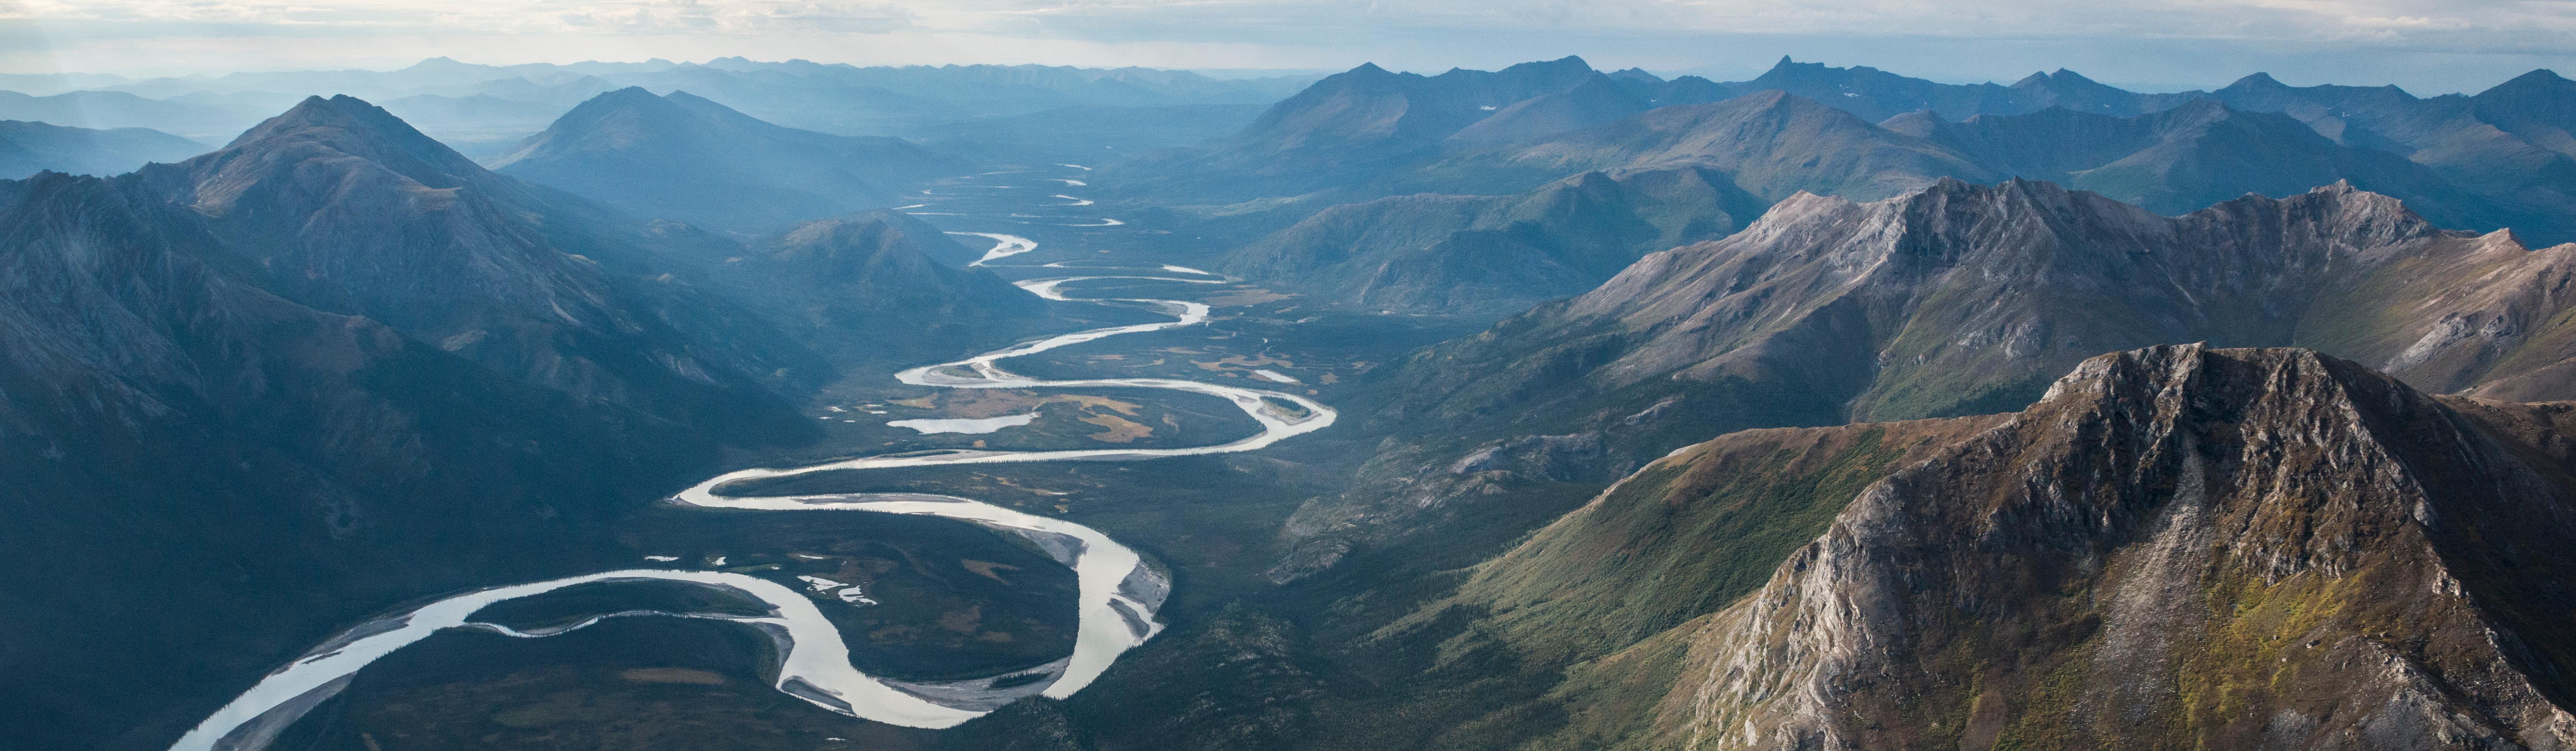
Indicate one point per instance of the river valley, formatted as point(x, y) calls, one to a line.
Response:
point(1118, 592)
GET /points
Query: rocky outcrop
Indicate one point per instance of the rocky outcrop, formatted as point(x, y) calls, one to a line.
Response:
point(2178, 547)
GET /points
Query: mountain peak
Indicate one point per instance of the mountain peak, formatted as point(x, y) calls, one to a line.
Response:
point(628, 94)
point(1635, 74)
point(2538, 75)
point(1569, 61)
point(318, 131)
point(2257, 81)
point(2538, 82)
point(441, 61)
point(344, 116)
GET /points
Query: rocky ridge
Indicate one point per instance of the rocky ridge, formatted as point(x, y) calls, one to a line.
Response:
point(1957, 299)
point(2178, 546)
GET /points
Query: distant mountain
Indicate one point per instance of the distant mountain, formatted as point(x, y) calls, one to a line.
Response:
point(1773, 145)
point(2181, 159)
point(27, 148)
point(1876, 95)
point(1354, 125)
point(682, 157)
point(2505, 157)
point(2177, 546)
point(883, 283)
point(1494, 255)
point(1956, 299)
point(2508, 146)
point(213, 122)
point(1768, 146)
point(48, 84)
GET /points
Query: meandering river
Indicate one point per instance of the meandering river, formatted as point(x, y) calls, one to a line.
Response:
point(1119, 594)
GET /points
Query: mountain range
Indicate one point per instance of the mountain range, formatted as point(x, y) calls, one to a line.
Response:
point(1956, 299)
point(2477, 163)
point(483, 110)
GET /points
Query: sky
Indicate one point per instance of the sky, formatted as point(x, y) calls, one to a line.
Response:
point(2427, 47)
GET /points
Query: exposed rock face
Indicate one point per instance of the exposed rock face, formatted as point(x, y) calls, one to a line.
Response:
point(686, 158)
point(1494, 255)
point(2178, 547)
point(1959, 299)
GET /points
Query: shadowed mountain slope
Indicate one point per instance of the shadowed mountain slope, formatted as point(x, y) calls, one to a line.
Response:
point(683, 157)
point(203, 446)
point(343, 208)
point(335, 365)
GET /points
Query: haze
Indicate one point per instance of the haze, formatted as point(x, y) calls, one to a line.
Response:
point(2426, 47)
